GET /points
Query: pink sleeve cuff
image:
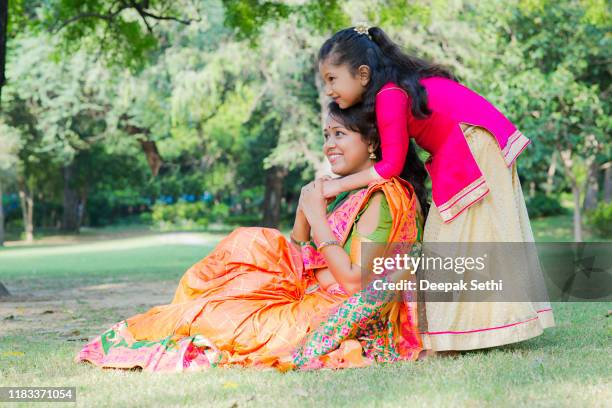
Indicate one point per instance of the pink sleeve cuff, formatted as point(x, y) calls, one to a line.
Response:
point(384, 170)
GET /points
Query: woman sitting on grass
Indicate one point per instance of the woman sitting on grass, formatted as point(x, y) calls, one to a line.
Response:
point(260, 300)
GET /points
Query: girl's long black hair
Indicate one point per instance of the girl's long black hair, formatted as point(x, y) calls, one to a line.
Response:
point(355, 119)
point(387, 62)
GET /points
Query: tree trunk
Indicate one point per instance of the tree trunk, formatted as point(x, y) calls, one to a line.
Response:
point(1, 217)
point(568, 164)
point(550, 175)
point(70, 216)
point(26, 200)
point(83, 206)
point(577, 213)
point(153, 158)
point(608, 182)
point(591, 187)
point(272, 197)
point(3, 34)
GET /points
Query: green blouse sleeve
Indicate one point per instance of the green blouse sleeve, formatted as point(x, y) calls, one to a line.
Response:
point(383, 229)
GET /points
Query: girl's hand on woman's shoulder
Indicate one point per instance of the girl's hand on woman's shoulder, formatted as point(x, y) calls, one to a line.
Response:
point(331, 187)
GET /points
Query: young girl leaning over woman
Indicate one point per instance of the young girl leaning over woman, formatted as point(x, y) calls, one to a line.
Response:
point(476, 191)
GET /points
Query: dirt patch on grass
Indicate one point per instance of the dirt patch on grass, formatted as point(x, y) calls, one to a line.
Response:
point(78, 313)
point(76, 308)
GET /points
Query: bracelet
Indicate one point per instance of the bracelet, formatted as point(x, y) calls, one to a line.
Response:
point(297, 242)
point(327, 243)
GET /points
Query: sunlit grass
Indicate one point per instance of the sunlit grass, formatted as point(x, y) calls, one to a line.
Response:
point(566, 366)
point(560, 228)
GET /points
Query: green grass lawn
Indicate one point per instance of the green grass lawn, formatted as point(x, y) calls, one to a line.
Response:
point(560, 228)
point(66, 294)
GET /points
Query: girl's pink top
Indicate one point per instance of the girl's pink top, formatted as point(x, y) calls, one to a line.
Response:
point(457, 181)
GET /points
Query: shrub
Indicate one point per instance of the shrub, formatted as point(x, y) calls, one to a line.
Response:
point(600, 219)
point(163, 213)
point(197, 215)
point(15, 224)
point(146, 218)
point(541, 205)
point(220, 212)
point(182, 215)
point(202, 222)
point(244, 220)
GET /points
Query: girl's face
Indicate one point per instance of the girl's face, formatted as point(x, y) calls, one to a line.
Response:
point(345, 88)
point(345, 149)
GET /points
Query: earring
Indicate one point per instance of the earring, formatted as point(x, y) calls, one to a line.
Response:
point(372, 156)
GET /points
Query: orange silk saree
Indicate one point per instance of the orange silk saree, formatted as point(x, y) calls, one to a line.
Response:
point(254, 302)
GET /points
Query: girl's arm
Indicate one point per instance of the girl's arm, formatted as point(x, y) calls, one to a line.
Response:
point(392, 109)
point(333, 187)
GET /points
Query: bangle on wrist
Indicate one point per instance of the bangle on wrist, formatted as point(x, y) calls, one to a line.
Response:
point(328, 243)
point(298, 242)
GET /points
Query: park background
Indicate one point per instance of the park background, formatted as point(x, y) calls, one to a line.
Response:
point(135, 134)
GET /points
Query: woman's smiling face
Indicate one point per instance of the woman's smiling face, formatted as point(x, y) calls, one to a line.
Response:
point(345, 149)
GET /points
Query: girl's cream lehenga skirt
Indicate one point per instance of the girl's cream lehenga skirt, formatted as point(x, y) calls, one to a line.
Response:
point(500, 217)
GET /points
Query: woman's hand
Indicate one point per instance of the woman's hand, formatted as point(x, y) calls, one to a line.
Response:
point(312, 202)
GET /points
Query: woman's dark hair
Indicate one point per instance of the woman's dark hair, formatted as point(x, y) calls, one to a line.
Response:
point(414, 171)
point(387, 62)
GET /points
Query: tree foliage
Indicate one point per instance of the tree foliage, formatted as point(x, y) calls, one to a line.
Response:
point(228, 92)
